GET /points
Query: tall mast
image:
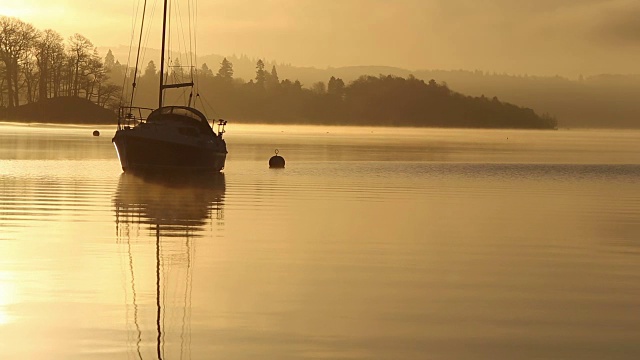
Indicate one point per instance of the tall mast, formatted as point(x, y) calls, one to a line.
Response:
point(164, 34)
point(164, 30)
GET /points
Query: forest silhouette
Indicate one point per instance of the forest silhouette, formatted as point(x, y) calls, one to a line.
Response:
point(39, 65)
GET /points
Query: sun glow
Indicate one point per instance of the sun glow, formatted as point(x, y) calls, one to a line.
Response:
point(7, 296)
point(4, 316)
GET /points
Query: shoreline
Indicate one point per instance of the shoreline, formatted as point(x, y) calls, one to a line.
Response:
point(306, 125)
point(28, 123)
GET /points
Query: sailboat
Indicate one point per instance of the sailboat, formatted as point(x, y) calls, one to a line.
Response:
point(170, 138)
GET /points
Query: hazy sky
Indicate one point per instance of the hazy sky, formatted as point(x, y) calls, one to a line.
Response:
point(544, 37)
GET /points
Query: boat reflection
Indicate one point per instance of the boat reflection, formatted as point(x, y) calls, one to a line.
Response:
point(172, 212)
point(179, 205)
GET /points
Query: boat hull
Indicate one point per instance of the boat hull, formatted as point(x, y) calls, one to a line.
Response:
point(145, 154)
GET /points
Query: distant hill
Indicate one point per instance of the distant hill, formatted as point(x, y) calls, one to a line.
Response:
point(60, 110)
point(245, 67)
point(600, 101)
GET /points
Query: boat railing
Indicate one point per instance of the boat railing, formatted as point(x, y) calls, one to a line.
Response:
point(129, 116)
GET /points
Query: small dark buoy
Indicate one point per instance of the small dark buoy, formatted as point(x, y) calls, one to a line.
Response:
point(277, 161)
point(96, 133)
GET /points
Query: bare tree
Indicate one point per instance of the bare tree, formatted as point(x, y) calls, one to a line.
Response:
point(16, 37)
point(29, 70)
point(2, 79)
point(109, 96)
point(81, 52)
point(94, 74)
point(48, 45)
point(59, 61)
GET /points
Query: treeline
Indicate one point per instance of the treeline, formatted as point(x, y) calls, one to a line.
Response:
point(36, 65)
point(605, 100)
point(39, 65)
point(609, 101)
point(369, 100)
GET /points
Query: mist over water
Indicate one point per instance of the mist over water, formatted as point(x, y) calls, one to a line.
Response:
point(371, 243)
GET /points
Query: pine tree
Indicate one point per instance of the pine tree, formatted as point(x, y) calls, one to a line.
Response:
point(261, 75)
point(151, 70)
point(109, 60)
point(274, 75)
point(273, 81)
point(205, 71)
point(226, 70)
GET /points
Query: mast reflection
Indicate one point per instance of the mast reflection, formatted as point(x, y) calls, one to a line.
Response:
point(173, 211)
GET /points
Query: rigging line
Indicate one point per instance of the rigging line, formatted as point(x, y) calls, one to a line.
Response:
point(135, 303)
point(158, 306)
point(119, 241)
point(204, 110)
point(148, 34)
point(178, 97)
point(186, 289)
point(206, 102)
point(195, 31)
point(166, 271)
point(179, 29)
point(135, 73)
point(182, 42)
point(190, 283)
point(195, 49)
point(191, 35)
point(192, 256)
point(165, 280)
point(184, 97)
point(126, 72)
point(169, 8)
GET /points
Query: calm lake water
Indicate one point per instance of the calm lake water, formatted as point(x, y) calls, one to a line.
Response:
point(371, 244)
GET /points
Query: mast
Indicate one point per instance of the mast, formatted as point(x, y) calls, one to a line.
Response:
point(162, 85)
point(164, 31)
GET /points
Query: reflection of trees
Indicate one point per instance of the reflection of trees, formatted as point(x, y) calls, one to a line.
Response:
point(176, 209)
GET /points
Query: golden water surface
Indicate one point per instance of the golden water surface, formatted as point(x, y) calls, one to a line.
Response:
point(371, 244)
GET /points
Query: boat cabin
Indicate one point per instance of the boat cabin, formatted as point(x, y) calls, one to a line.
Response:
point(182, 114)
